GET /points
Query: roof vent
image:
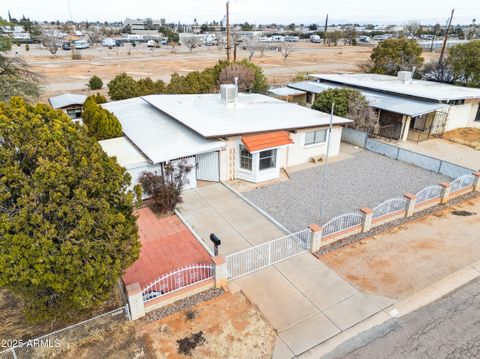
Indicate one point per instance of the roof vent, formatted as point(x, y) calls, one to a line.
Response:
point(229, 93)
point(405, 76)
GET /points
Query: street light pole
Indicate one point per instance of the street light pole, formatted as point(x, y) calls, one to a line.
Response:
point(325, 172)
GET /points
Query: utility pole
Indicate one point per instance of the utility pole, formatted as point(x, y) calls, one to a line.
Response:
point(325, 172)
point(442, 53)
point(228, 31)
point(325, 31)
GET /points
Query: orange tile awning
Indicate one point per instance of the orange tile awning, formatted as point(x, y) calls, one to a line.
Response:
point(262, 141)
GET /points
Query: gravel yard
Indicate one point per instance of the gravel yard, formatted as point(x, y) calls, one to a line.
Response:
point(366, 179)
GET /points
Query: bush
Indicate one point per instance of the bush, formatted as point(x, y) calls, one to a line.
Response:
point(188, 344)
point(27, 47)
point(95, 83)
point(76, 56)
point(101, 124)
point(166, 190)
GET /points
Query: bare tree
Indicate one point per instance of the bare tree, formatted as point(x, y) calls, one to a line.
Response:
point(244, 74)
point(51, 41)
point(350, 35)
point(95, 36)
point(191, 42)
point(262, 47)
point(251, 45)
point(286, 49)
point(411, 28)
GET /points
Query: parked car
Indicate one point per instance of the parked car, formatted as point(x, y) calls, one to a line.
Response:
point(66, 46)
point(81, 44)
point(315, 38)
point(292, 38)
point(108, 42)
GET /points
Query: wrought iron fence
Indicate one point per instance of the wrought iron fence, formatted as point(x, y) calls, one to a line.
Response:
point(342, 222)
point(389, 206)
point(266, 254)
point(178, 279)
point(52, 345)
point(428, 193)
point(462, 182)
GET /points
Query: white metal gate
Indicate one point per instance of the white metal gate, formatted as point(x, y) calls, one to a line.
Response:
point(266, 254)
point(208, 167)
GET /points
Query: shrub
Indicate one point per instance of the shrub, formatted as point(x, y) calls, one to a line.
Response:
point(188, 344)
point(76, 56)
point(95, 83)
point(101, 124)
point(166, 190)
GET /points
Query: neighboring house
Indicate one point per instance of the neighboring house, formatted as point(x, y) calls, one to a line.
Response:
point(289, 94)
point(71, 104)
point(224, 137)
point(404, 106)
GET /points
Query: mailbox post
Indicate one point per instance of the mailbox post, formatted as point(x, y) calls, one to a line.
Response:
point(216, 242)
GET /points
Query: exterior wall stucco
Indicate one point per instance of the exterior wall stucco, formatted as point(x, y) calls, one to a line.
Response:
point(461, 116)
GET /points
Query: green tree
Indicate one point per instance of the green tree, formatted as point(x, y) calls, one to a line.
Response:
point(95, 83)
point(67, 229)
point(101, 124)
point(393, 55)
point(349, 103)
point(123, 87)
point(464, 62)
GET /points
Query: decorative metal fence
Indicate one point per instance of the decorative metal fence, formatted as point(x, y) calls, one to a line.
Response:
point(266, 254)
point(57, 343)
point(342, 222)
point(462, 182)
point(389, 206)
point(178, 279)
point(428, 193)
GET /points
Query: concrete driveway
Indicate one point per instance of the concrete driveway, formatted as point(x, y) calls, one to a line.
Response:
point(213, 208)
point(305, 301)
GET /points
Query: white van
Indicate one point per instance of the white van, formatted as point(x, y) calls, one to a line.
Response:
point(108, 42)
point(315, 38)
point(81, 44)
point(278, 38)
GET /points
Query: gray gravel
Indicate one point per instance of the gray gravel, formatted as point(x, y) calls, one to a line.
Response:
point(365, 180)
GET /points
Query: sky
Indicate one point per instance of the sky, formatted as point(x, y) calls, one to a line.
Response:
point(252, 11)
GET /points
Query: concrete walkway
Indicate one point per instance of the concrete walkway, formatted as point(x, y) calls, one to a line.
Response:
point(306, 302)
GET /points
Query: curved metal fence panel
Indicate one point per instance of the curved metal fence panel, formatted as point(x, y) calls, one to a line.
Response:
point(428, 193)
point(389, 206)
point(462, 182)
point(178, 279)
point(341, 222)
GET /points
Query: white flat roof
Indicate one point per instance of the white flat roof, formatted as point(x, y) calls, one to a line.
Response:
point(67, 99)
point(159, 137)
point(125, 152)
point(286, 91)
point(416, 88)
point(208, 116)
point(393, 103)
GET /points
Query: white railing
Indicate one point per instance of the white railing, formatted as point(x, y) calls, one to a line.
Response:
point(461, 183)
point(266, 254)
point(389, 206)
point(341, 222)
point(178, 279)
point(428, 193)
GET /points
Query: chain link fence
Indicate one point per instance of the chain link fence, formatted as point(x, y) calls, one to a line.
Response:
point(52, 345)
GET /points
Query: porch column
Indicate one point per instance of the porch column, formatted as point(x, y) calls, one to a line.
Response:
point(221, 271)
point(406, 126)
point(135, 301)
point(411, 202)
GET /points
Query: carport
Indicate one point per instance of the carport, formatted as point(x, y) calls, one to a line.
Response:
point(153, 139)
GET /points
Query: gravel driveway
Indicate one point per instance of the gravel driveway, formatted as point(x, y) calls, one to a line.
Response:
point(366, 179)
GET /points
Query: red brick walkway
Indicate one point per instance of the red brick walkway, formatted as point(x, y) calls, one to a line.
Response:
point(167, 244)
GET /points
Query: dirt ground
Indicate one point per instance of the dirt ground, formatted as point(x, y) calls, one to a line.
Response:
point(403, 260)
point(468, 136)
point(231, 328)
point(61, 74)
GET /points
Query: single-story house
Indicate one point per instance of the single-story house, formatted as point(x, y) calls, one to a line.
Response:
point(224, 137)
point(404, 106)
point(289, 94)
point(71, 104)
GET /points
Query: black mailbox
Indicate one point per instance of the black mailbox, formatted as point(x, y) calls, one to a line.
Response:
point(216, 242)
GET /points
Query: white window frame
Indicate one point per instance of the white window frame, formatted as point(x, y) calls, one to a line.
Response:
point(250, 158)
point(273, 158)
point(316, 137)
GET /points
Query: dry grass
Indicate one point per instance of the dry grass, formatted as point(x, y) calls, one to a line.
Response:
point(468, 136)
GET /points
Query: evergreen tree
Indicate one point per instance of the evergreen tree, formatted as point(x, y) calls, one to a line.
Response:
point(67, 231)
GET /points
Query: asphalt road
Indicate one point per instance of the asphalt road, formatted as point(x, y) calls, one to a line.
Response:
point(448, 328)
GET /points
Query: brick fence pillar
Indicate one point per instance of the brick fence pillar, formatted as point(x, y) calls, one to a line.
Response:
point(220, 271)
point(411, 202)
point(445, 192)
point(367, 219)
point(476, 182)
point(316, 233)
point(135, 301)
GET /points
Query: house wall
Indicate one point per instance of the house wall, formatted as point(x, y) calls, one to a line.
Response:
point(299, 153)
point(462, 116)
